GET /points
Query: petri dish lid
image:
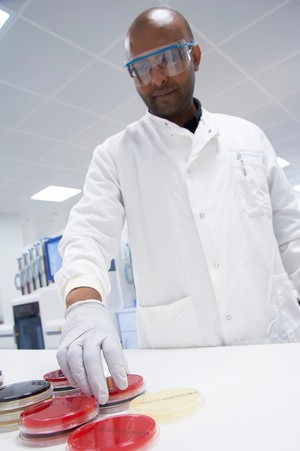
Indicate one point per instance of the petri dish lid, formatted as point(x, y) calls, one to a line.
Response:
point(115, 433)
point(58, 414)
point(168, 405)
point(20, 394)
point(136, 386)
point(56, 378)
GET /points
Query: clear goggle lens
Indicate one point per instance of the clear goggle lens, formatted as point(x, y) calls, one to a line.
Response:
point(172, 60)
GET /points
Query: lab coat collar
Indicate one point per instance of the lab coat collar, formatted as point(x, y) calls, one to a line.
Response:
point(206, 130)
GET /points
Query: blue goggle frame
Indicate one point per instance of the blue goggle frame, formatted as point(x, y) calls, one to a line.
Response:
point(143, 77)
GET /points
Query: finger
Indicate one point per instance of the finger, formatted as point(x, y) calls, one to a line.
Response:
point(75, 359)
point(95, 372)
point(116, 361)
point(62, 360)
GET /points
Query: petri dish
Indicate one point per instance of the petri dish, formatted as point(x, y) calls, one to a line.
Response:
point(43, 440)
point(168, 405)
point(116, 433)
point(58, 415)
point(66, 391)
point(136, 386)
point(57, 379)
point(119, 399)
point(9, 420)
point(22, 394)
point(14, 398)
point(61, 385)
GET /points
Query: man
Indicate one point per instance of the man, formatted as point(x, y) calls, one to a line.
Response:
point(213, 225)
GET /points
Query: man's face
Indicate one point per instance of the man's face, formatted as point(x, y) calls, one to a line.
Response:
point(165, 94)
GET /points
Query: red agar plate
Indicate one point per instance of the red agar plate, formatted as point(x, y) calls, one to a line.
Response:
point(115, 433)
point(58, 414)
point(136, 386)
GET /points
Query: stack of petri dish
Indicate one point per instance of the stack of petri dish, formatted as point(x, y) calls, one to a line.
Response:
point(50, 422)
point(14, 398)
point(60, 384)
point(119, 399)
point(115, 433)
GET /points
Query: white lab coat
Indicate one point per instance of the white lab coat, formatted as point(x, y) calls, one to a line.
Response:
point(214, 231)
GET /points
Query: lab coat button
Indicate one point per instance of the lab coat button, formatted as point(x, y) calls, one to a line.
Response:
point(216, 265)
point(202, 215)
point(189, 170)
point(228, 317)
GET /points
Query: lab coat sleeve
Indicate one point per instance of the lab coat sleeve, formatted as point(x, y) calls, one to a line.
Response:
point(93, 231)
point(286, 215)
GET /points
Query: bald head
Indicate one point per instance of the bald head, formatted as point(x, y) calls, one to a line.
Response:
point(156, 27)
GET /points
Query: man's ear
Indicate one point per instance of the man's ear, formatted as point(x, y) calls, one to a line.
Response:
point(196, 56)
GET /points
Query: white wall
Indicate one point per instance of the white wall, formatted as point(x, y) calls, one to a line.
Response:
point(11, 247)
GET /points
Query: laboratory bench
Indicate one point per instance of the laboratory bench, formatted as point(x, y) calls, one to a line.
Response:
point(252, 394)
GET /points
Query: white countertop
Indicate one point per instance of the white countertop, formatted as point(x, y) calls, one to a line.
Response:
point(252, 394)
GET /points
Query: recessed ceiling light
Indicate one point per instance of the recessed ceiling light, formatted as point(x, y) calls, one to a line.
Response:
point(282, 162)
point(55, 194)
point(3, 17)
point(297, 188)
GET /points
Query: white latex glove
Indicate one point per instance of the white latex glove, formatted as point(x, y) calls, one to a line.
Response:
point(87, 331)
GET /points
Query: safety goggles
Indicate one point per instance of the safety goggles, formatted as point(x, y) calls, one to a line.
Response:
point(172, 60)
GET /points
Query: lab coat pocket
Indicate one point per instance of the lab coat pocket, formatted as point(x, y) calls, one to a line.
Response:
point(169, 326)
point(289, 307)
point(252, 188)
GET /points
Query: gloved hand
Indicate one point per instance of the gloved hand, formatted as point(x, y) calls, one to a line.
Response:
point(88, 329)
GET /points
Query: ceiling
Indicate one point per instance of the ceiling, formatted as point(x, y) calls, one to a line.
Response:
point(63, 88)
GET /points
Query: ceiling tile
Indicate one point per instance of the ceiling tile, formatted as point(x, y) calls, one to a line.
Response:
point(43, 174)
point(74, 180)
point(15, 104)
point(57, 121)
point(268, 116)
point(216, 74)
point(69, 157)
point(14, 5)
point(130, 111)
point(262, 45)
point(290, 150)
point(220, 19)
point(115, 55)
point(279, 132)
point(3, 132)
point(287, 77)
point(107, 83)
point(238, 100)
point(10, 169)
point(90, 24)
point(25, 147)
point(35, 60)
point(292, 104)
point(96, 134)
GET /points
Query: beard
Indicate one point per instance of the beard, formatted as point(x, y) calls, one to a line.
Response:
point(169, 100)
